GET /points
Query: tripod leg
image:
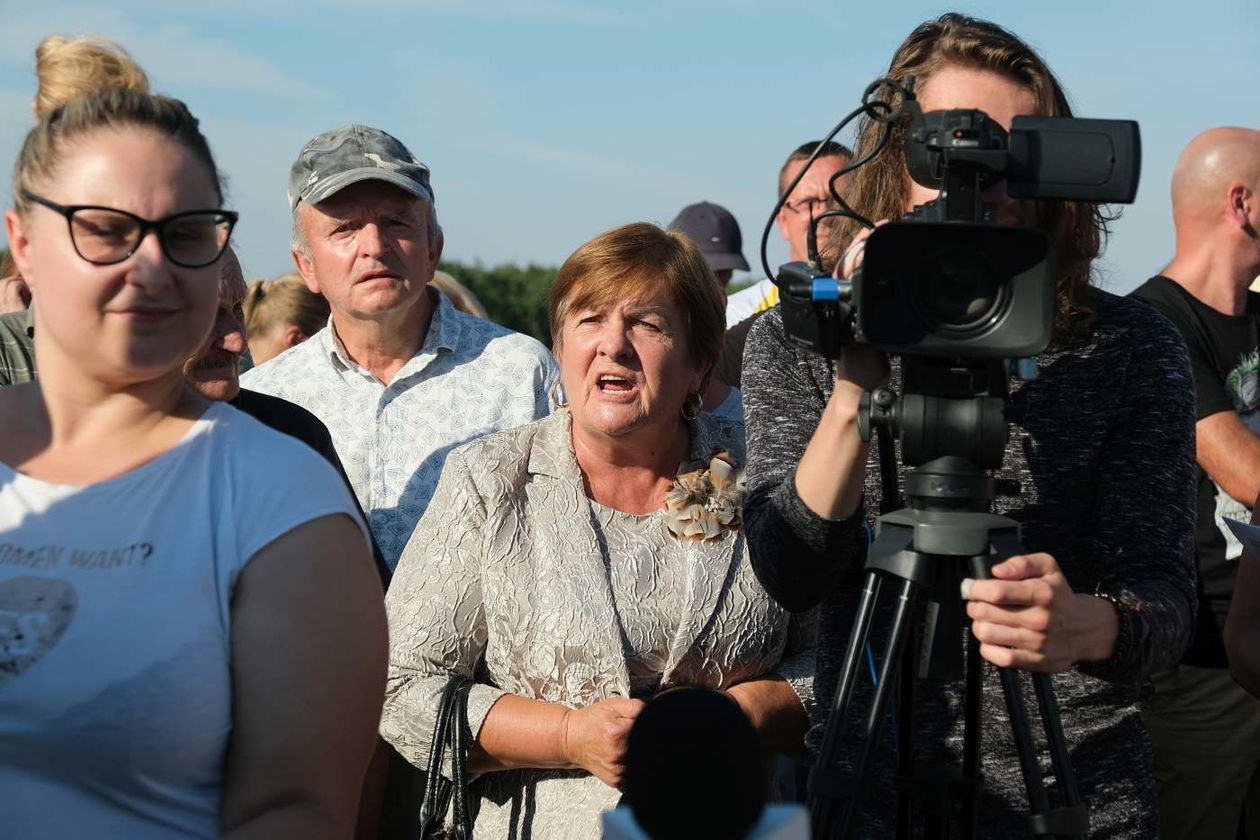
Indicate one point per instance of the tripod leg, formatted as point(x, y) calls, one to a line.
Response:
point(1057, 744)
point(973, 736)
point(906, 699)
point(825, 788)
point(1037, 797)
point(907, 599)
point(1024, 746)
point(1072, 820)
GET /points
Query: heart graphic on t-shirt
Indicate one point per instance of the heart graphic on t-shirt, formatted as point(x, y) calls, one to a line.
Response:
point(34, 615)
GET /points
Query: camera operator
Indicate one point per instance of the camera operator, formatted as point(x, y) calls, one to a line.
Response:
point(1204, 726)
point(1103, 456)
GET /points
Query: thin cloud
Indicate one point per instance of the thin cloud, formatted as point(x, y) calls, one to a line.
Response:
point(174, 55)
point(542, 11)
point(583, 162)
point(180, 58)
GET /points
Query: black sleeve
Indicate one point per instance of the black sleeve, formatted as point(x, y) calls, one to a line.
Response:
point(799, 557)
point(1144, 531)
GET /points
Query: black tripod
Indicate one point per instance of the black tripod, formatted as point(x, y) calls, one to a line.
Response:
point(945, 534)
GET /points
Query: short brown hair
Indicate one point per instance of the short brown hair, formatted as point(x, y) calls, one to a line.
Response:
point(627, 261)
point(880, 189)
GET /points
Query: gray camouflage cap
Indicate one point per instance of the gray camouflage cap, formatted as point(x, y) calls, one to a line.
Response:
point(336, 159)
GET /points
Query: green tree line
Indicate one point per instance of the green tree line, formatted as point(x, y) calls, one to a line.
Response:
point(515, 296)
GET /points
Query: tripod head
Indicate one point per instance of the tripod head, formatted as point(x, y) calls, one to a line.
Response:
point(952, 422)
point(948, 407)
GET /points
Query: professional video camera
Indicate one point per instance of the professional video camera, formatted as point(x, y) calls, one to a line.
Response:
point(965, 302)
point(946, 281)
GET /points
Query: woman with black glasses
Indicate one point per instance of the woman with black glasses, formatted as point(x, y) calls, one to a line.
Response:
point(191, 636)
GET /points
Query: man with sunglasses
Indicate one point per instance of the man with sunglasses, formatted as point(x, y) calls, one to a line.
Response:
point(399, 376)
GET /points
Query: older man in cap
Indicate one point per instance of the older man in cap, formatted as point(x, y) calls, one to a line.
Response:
point(399, 376)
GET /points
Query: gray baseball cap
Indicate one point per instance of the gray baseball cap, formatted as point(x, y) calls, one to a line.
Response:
point(336, 159)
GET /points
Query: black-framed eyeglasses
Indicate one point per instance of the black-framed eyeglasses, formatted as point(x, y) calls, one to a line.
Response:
point(814, 207)
point(105, 235)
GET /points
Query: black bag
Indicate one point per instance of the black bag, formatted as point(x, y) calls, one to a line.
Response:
point(450, 732)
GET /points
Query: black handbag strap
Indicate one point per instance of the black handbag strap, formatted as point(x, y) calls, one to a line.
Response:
point(450, 731)
point(460, 737)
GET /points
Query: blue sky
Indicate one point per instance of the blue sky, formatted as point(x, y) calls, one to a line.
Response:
point(548, 121)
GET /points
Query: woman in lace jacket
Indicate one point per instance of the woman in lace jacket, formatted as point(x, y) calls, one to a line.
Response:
point(586, 563)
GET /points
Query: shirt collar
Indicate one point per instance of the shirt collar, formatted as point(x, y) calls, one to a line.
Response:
point(336, 351)
point(446, 327)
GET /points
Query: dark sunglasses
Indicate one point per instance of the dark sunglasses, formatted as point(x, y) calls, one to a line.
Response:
point(105, 236)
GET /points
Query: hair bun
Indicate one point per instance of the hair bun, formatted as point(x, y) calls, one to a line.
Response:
point(67, 68)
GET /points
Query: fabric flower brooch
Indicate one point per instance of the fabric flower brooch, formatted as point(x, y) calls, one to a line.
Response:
point(706, 499)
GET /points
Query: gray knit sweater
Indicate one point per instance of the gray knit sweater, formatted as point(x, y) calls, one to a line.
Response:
point(1105, 460)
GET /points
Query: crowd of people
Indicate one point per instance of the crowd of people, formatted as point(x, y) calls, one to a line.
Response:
point(207, 485)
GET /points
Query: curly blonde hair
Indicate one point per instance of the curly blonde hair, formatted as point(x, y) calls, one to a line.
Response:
point(881, 188)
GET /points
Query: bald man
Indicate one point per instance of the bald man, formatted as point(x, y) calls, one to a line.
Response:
point(1204, 727)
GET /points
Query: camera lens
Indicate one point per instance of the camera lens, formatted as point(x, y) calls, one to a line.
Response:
point(960, 292)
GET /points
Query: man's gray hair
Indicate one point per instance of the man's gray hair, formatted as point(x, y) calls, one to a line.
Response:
point(301, 243)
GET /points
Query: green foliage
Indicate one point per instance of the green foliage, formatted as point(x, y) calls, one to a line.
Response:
point(515, 296)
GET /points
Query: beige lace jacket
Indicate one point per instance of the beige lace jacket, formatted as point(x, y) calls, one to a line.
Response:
point(506, 565)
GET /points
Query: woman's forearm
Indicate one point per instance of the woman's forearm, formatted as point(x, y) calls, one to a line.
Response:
point(775, 711)
point(520, 732)
point(831, 473)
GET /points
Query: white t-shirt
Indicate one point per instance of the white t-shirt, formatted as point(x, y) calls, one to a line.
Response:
point(115, 608)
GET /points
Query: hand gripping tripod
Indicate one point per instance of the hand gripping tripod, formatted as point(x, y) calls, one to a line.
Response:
point(953, 431)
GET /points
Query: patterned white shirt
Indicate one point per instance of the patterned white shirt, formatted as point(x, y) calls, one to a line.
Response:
point(470, 377)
